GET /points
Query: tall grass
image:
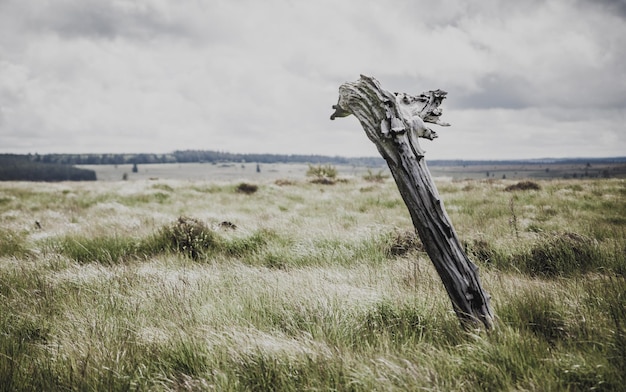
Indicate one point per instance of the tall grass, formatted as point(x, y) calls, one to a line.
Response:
point(13, 244)
point(317, 288)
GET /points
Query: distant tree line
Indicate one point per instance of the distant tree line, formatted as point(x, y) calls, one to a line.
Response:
point(212, 156)
point(22, 168)
point(58, 167)
point(563, 161)
point(101, 159)
point(199, 156)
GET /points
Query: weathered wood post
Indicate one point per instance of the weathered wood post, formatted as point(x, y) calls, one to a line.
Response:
point(393, 122)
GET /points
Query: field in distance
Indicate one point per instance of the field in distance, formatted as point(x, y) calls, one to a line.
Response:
point(217, 171)
point(273, 171)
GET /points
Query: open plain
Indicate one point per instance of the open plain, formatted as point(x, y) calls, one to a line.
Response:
point(157, 283)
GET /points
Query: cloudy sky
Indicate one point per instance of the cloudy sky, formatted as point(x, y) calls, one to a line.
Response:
point(525, 79)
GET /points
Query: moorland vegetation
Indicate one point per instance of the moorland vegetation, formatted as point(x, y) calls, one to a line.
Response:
point(301, 285)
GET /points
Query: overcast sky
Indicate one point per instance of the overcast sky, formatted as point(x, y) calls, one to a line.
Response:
point(525, 79)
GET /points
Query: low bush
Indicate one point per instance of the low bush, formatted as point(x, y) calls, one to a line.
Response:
point(375, 177)
point(523, 186)
point(284, 182)
point(328, 171)
point(322, 174)
point(188, 236)
point(246, 188)
point(196, 240)
point(323, 181)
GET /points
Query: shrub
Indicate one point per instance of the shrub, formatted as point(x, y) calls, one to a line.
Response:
point(375, 177)
point(189, 236)
point(227, 225)
point(247, 189)
point(323, 181)
point(523, 186)
point(284, 182)
point(322, 174)
point(194, 239)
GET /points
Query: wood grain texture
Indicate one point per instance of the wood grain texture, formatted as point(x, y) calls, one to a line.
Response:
point(394, 122)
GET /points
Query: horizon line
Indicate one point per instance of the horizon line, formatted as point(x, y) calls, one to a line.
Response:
point(623, 157)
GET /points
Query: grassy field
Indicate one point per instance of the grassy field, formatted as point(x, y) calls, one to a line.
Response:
point(199, 285)
point(216, 172)
point(274, 171)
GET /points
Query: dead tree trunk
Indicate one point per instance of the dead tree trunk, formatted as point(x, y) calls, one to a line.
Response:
point(393, 122)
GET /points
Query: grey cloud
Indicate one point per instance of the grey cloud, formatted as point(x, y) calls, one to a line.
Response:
point(495, 91)
point(613, 6)
point(182, 72)
point(102, 19)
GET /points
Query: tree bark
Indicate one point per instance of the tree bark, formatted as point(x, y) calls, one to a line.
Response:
point(393, 122)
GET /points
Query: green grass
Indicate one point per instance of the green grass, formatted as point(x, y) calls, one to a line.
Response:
point(319, 287)
point(13, 244)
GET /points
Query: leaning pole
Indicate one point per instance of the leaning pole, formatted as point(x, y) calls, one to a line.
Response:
point(393, 122)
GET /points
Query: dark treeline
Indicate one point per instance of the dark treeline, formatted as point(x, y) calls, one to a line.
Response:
point(101, 159)
point(188, 156)
point(23, 168)
point(211, 156)
point(544, 161)
point(219, 156)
